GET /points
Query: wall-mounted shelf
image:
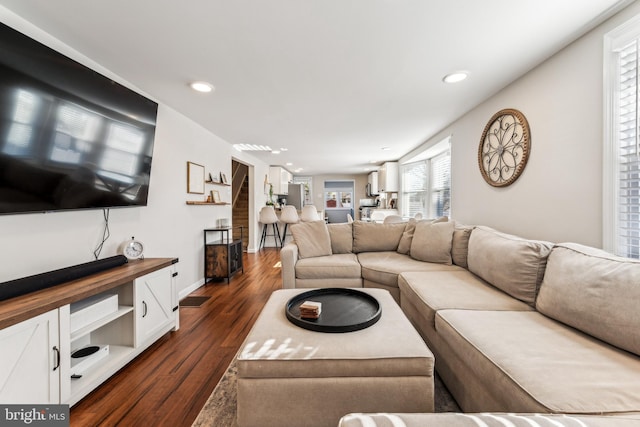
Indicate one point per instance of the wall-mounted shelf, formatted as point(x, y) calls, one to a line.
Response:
point(194, 202)
point(217, 183)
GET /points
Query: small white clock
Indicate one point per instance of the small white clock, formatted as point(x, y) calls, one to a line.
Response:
point(132, 249)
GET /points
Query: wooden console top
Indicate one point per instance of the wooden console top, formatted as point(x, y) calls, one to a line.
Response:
point(18, 309)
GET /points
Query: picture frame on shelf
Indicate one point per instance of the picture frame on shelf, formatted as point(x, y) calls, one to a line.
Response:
point(223, 178)
point(195, 178)
point(215, 196)
point(214, 178)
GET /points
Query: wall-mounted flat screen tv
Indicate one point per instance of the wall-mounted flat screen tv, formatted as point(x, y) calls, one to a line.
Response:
point(70, 138)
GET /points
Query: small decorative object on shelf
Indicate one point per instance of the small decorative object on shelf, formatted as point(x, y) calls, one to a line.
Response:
point(215, 196)
point(223, 178)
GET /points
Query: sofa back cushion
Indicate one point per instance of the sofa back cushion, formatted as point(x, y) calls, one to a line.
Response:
point(594, 291)
point(312, 239)
point(341, 235)
point(510, 263)
point(376, 237)
point(432, 242)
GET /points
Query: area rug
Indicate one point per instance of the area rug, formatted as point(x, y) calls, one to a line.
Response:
point(220, 409)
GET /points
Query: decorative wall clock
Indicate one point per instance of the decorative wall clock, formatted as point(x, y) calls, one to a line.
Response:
point(504, 147)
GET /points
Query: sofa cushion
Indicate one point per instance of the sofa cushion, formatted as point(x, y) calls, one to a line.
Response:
point(341, 266)
point(508, 262)
point(458, 289)
point(375, 237)
point(595, 292)
point(432, 242)
point(384, 267)
point(312, 239)
point(460, 244)
point(341, 235)
point(535, 364)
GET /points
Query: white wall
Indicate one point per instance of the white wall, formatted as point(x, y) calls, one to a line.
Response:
point(558, 197)
point(36, 243)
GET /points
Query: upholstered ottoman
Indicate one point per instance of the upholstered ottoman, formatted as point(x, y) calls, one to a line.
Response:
point(290, 376)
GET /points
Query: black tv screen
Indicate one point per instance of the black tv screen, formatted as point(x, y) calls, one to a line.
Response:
point(70, 138)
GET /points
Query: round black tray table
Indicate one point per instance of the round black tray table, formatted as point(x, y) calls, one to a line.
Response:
point(343, 310)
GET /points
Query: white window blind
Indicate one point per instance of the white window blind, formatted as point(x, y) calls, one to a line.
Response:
point(440, 185)
point(426, 183)
point(621, 201)
point(628, 151)
point(414, 188)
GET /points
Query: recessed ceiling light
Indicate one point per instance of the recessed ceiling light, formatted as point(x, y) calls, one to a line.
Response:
point(288, 164)
point(203, 87)
point(456, 77)
point(275, 151)
point(251, 147)
point(385, 148)
point(284, 149)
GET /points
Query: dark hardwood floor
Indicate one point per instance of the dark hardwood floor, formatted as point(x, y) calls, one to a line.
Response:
point(169, 383)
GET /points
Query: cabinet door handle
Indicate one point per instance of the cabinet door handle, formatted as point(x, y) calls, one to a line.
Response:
point(174, 274)
point(144, 309)
point(56, 351)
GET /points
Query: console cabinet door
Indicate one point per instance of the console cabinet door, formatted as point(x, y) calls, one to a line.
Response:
point(154, 304)
point(30, 361)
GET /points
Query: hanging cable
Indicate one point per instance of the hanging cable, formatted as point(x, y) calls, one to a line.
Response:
point(105, 233)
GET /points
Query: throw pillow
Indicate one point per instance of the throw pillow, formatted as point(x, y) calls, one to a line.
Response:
point(312, 239)
point(407, 237)
point(432, 242)
point(341, 238)
point(460, 244)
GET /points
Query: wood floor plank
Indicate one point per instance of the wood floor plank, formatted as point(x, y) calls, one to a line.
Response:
point(170, 382)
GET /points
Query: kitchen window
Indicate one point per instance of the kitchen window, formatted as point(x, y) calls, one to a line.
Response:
point(426, 182)
point(621, 188)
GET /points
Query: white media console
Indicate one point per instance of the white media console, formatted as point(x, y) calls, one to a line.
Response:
point(117, 313)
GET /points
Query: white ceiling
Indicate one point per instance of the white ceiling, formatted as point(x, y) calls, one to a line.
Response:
point(333, 81)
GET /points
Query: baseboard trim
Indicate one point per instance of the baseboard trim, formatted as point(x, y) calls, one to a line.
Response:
point(186, 291)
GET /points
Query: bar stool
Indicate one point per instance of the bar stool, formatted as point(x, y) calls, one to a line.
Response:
point(309, 213)
point(268, 216)
point(289, 215)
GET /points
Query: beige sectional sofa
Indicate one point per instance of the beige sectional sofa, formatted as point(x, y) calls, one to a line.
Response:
point(516, 325)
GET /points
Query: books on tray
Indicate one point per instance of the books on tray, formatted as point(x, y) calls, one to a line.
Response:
point(310, 310)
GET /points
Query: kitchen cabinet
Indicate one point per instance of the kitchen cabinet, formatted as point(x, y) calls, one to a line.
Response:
point(372, 187)
point(388, 177)
point(280, 178)
point(31, 361)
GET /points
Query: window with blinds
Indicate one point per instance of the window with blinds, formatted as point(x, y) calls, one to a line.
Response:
point(628, 184)
point(622, 142)
point(426, 184)
point(414, 189)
